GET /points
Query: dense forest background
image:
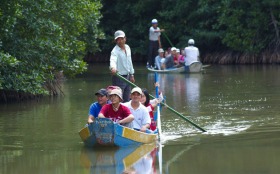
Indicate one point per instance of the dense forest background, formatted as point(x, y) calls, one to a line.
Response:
point(226, 32)
point(43, 40)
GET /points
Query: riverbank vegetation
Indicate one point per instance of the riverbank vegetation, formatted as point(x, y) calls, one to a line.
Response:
point(41, 41)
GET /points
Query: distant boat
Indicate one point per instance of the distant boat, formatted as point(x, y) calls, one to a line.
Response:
point(194, 67)
point(115, 160)
point(104, 132)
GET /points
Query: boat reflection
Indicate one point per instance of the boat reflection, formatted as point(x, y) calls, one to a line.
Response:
point(193, 82)
point(181, 89)
point(124, 160)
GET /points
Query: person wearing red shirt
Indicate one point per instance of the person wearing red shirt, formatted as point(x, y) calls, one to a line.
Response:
point(115, 111)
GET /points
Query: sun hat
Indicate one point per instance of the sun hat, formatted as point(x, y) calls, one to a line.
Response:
point(112, 87)
point(136, 89)
point(191, 41)
point(173, 49)
point(118, 34)
point(160, 50)
point(154, 21)
point(117, 92)
point(102, 92)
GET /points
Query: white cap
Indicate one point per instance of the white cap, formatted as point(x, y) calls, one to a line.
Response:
point(160, 50)
point(173, 49)
point(154, 21)
point(137, 89)
point(191, 41)
point(177, 50)
point(118, 34)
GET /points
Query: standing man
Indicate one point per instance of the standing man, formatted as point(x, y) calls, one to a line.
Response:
point(142, 120)
point(192, 53)
point(95, 107)
point(121, 62)
point(154, 42)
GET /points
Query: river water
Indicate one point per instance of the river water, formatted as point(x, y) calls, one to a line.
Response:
point(238, 106)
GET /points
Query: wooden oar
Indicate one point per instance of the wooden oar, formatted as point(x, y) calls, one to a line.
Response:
point(168, 39)
point(171, 109)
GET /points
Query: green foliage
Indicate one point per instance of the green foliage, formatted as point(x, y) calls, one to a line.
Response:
point(46, 37)
point(15, 78)
point(247, 26)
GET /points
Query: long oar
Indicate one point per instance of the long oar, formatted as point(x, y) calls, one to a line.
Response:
point(168, 39)
point(171, 109)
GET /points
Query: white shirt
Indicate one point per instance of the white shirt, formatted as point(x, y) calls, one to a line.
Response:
point(121, 61)
point(141, 115)
point(192, 55)
point(153, 36)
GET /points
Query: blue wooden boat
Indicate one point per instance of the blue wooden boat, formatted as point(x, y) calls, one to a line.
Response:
point(104, 132)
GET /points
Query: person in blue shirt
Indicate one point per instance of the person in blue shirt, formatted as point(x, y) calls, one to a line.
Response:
point(94, 109)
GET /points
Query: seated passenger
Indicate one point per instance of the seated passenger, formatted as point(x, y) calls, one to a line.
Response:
point(95, 107)
point(169, 61)
point(141, 115)
point(159, 58)
point(182, 57)
point(192, 53)
point(115, 111)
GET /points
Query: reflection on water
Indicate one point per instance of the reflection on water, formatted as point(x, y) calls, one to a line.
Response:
point(128, 160)
point(237, 105)
point(225, 100)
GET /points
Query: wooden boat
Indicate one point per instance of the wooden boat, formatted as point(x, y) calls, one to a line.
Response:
point(194, 67)
point(115, 159)
point(104, 132)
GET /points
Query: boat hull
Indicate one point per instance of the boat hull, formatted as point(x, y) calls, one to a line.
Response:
point(104, 132)
point(194, 67)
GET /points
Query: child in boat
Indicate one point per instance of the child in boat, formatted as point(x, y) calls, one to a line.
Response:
point(115, 111)
point(109, 89)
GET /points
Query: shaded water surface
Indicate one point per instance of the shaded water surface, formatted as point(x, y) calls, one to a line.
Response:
point(237, 105)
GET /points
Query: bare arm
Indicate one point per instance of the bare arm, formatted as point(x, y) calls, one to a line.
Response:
point(145, 127)
point(128, 119)
point(100, 115)
point(90, 119)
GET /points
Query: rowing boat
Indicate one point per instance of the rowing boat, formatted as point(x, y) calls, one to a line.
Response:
point(104, 132)
point(194, 67)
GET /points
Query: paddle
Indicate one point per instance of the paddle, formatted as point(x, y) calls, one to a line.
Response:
point(171, 109)
point(168, 39)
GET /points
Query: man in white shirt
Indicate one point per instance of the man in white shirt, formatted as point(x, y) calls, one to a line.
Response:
point(192, 53)
point(154, 42)
point(141, 115)
point(121, 62)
